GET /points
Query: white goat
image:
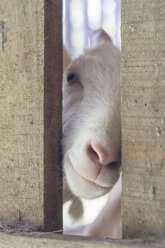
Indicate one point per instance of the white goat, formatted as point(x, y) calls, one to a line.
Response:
point(92, 131)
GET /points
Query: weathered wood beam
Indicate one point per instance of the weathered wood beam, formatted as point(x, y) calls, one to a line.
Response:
point(51, 240)
point(143, 117)
point(30, 112)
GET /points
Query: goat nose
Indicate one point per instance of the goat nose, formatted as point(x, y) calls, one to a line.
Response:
point(98, 153)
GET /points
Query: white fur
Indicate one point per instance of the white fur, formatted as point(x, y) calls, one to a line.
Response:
point(91, 113)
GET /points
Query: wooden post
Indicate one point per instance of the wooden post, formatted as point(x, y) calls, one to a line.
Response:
point(30, 113)
point(143, 117)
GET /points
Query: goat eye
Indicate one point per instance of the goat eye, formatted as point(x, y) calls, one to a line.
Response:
point(70, 77)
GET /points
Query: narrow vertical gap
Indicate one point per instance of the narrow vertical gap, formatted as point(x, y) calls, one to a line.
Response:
point(102, 12)
point(95, 15)
point(67, 25)
point(118, 21)
point(86, 29)
point(52, 115)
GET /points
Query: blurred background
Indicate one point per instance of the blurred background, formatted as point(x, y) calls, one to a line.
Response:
point(82, 16)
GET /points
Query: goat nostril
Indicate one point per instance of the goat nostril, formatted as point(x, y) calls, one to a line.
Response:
point(91, 153)
point(97, 153)
point(114, 165)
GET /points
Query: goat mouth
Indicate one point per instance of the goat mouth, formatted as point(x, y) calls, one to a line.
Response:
point(92, 183)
